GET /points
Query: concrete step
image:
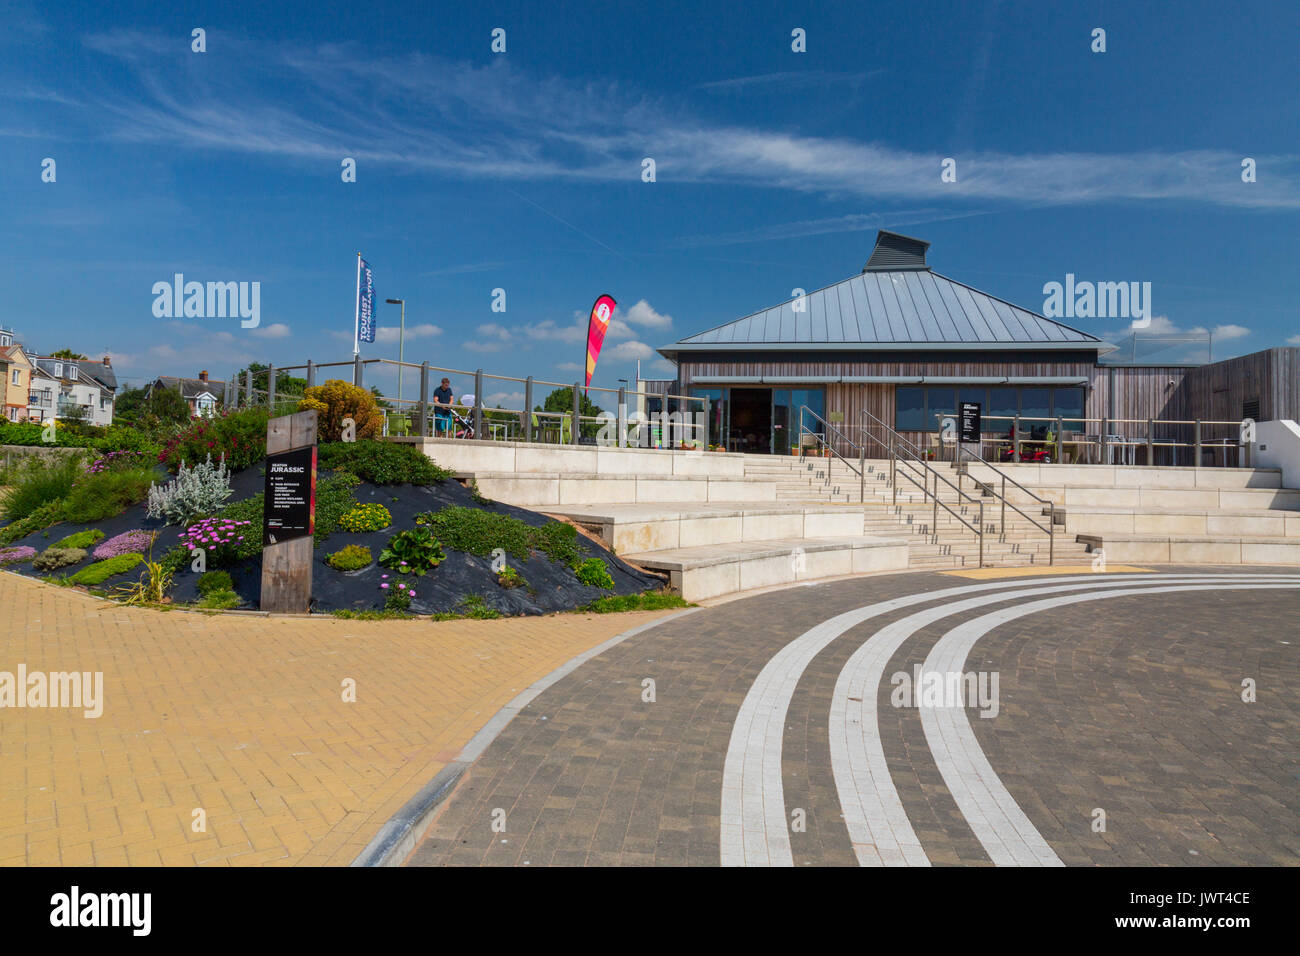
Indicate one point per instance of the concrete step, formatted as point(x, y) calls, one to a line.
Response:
point(699, 573)
point(630, 528)
point(1195, 549)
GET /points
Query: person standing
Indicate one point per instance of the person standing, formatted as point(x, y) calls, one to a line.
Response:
point(442, 401)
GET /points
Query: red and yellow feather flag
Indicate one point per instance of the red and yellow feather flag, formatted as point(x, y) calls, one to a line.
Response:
point(601, 314)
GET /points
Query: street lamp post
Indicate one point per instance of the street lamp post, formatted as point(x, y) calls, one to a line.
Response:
point(401, 346)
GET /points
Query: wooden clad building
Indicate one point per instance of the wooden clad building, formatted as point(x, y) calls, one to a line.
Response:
point(901, 346)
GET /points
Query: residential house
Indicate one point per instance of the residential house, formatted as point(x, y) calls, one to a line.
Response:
point(15, 377)
point(73, 386)
point(201, 394)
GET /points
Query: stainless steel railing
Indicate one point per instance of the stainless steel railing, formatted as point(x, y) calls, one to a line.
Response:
point(1050, 530)
point(902, 452)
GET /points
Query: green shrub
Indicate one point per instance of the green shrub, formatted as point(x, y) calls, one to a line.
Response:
point(215, 581)
point(479, 532)
point(107, 494)
point(82, 539)
point(37, 480)
point(595, 572)
point(397, 600)
point(32, 434)
point(125, 438)
point(47, 514)
point(376, 615)
point(382, 463)
point(368, 517)
point(174, 560)
point(476, 607)
point(220, 600)
point(333, 500)
point(558, 541)
point(352, 558)
point(239, 436)
point(647, 601)
point(510, 578)
point(54, 558)
point(477, 496)
point(101, 571)
point(412, 552)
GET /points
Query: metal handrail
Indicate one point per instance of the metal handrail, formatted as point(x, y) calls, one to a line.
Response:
point(860, 471)
point(897, 441)
point(1002, 523)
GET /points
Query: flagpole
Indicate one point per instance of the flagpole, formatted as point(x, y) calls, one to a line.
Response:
point(356, 319)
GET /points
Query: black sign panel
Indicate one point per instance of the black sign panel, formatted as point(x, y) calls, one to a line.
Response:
point(290, 509)
point(970, 422)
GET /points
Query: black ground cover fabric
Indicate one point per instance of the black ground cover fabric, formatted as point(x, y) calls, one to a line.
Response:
point(551, 586)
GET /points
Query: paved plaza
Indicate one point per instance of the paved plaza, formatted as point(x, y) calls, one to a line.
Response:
point(774, 730)
point(243, 717)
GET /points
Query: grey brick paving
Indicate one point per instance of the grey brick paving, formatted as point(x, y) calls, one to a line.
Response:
point(1119, 704)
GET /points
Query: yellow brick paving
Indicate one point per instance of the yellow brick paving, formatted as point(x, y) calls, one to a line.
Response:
point(243, 717)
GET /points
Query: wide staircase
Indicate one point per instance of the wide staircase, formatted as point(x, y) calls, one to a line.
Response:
point(936, 538)
point(718, 523)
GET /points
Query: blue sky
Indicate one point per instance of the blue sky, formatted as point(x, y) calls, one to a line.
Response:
point(522, 170)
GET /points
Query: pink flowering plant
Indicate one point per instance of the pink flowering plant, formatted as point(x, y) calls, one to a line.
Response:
point(16, 555)
point(117, 461)
point(128, 542)
point(397, 594)
point(221, 539)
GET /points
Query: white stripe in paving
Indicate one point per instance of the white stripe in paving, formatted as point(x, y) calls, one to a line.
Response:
point(754, 829)
point(1008, 836)
point(873, 812)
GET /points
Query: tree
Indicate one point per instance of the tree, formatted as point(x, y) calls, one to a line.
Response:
point(285, 384)
point(129, 405)
point(167, 405)
point(69, 355)
point(561, 400)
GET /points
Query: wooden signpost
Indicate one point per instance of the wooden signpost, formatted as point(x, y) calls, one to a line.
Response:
point(289, 514)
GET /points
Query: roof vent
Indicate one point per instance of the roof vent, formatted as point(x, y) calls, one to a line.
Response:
point(895, 252)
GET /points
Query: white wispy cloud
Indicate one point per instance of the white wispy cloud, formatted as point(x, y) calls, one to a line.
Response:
point(628, 351)
point(491, 337)
point(415, 111)
point(644, 315)
point(390, 334)
point(276, 330)
point(788, 80)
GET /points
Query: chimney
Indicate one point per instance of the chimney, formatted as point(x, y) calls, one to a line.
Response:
point(108, 363)
point(203, 376)
point(895, 252)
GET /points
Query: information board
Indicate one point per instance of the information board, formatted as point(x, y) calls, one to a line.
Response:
point(290, 509)
point(970, 422)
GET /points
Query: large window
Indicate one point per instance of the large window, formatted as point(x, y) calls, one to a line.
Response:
point(910, 410)
point(917, 409)
point(1068, 403)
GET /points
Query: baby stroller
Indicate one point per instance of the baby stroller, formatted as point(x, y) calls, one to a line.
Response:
point(464, 428)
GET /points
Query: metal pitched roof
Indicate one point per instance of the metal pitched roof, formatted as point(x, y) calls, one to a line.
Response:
point(914, 308)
